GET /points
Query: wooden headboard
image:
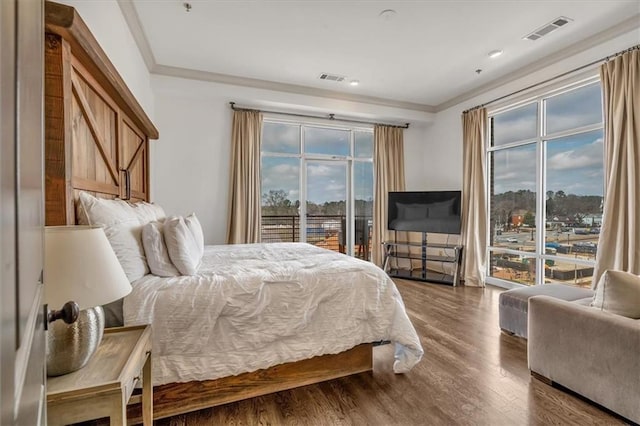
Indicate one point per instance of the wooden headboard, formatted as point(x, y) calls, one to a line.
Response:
point(96, 133)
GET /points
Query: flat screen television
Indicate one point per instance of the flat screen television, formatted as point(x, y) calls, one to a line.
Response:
point(430, 211)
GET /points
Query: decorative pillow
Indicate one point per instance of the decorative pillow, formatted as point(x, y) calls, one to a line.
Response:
point(618, 292)
point(156, 252)
point(412, 211)
point(147, 212)
point(441, 208)
point(122, 228)
point(185, 243)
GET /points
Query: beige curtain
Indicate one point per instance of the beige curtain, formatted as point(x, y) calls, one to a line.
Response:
point(474, 199)
point(243, 223)
point(619, 242)
point(388, 166)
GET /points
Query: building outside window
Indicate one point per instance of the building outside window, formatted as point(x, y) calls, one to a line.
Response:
point(546, 187)
point(317, 185)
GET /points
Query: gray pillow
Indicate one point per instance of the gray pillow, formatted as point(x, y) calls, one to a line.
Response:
point(618, 292)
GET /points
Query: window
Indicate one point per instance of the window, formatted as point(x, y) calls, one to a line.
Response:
point(317, 185)
point(546, 187)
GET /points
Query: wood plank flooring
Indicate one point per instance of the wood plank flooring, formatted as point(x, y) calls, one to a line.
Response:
point(471, 374)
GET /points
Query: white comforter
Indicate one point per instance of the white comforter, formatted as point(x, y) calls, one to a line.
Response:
point(257, 305)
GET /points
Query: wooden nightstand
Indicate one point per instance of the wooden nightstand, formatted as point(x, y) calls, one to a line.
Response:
point(103, 387)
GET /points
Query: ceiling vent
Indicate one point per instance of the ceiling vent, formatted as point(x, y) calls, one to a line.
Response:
point(548, 28)
point(331, 77)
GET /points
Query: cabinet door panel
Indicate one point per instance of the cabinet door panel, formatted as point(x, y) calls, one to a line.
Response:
point(94, 139)
point(134, 159)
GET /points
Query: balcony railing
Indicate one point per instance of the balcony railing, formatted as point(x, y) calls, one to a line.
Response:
point(327, 231)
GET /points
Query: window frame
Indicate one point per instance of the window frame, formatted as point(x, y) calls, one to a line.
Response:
point(303, 156)
point(541, 140)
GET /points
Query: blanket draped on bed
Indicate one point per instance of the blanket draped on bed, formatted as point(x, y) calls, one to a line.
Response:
point(252, 306)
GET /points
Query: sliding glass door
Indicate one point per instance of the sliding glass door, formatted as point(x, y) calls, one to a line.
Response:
point(317, 186)
point(326, 204)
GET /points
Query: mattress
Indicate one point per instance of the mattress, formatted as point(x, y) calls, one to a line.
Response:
point(252, 306)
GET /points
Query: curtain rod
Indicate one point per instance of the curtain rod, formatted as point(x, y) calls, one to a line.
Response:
point(330, 117)
point(605, 59)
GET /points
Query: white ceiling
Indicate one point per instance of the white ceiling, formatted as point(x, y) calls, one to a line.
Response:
point(426, 54)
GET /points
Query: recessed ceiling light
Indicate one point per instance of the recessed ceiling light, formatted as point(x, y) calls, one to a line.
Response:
point(387, 14)
point(495, 53)
point(354, 82)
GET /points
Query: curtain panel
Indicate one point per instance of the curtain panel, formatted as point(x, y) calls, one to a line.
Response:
point(243, 222)
point(474, 198)
point(388, 164)
point(619, 241)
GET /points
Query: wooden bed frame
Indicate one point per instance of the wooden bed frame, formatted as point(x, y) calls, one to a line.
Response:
point(97, 140)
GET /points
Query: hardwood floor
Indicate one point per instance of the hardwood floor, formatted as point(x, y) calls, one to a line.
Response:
point(471, 374)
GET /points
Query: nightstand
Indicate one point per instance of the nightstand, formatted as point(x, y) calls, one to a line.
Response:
point(103, 387)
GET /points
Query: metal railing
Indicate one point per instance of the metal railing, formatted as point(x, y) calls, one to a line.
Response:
point(327, 231)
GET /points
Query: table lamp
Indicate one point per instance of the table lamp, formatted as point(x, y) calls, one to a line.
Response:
point(79, 266)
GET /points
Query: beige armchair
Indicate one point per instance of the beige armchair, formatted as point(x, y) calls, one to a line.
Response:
point(591, 352)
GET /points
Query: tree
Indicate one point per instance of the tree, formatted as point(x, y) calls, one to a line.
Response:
point(529, 219)
point(560, 203)
point(275, 202)
point(276, 198)
point(550, 205)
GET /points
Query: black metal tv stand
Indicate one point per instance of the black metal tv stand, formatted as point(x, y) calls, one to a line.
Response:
point(424, 252)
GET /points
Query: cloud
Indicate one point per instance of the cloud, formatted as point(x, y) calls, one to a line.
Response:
point(575, 164)
point(574, 109)
point(514, 169)
point(321, 170)
point(515, 125)
point(334, 186)
point(587, 155)
point(281, 173)
point(281, 137)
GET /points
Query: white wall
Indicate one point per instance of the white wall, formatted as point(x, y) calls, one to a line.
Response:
point(191, 159)
point(107, 24)
point(442, 163)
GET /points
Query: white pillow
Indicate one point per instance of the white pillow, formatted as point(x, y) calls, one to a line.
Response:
point(156, 250)
point(122, 228)
point(185, 242)
point(147, 212)
point(618, 292)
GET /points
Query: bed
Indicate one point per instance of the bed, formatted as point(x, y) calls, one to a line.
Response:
point(254, 319)
point(253, 306)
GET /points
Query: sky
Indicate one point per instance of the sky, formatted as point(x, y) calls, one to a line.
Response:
point(326, 180)
point(574, 164)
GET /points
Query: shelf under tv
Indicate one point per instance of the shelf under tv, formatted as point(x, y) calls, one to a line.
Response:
point(419, 275)
point(447, 254)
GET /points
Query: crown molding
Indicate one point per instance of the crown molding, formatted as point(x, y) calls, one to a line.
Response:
point(623, 27)
point(135, 26)
point(192, 74)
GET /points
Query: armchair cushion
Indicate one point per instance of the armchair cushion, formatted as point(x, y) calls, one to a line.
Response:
point(618, 292)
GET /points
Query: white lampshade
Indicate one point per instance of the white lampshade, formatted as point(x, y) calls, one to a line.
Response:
point(80, 266)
